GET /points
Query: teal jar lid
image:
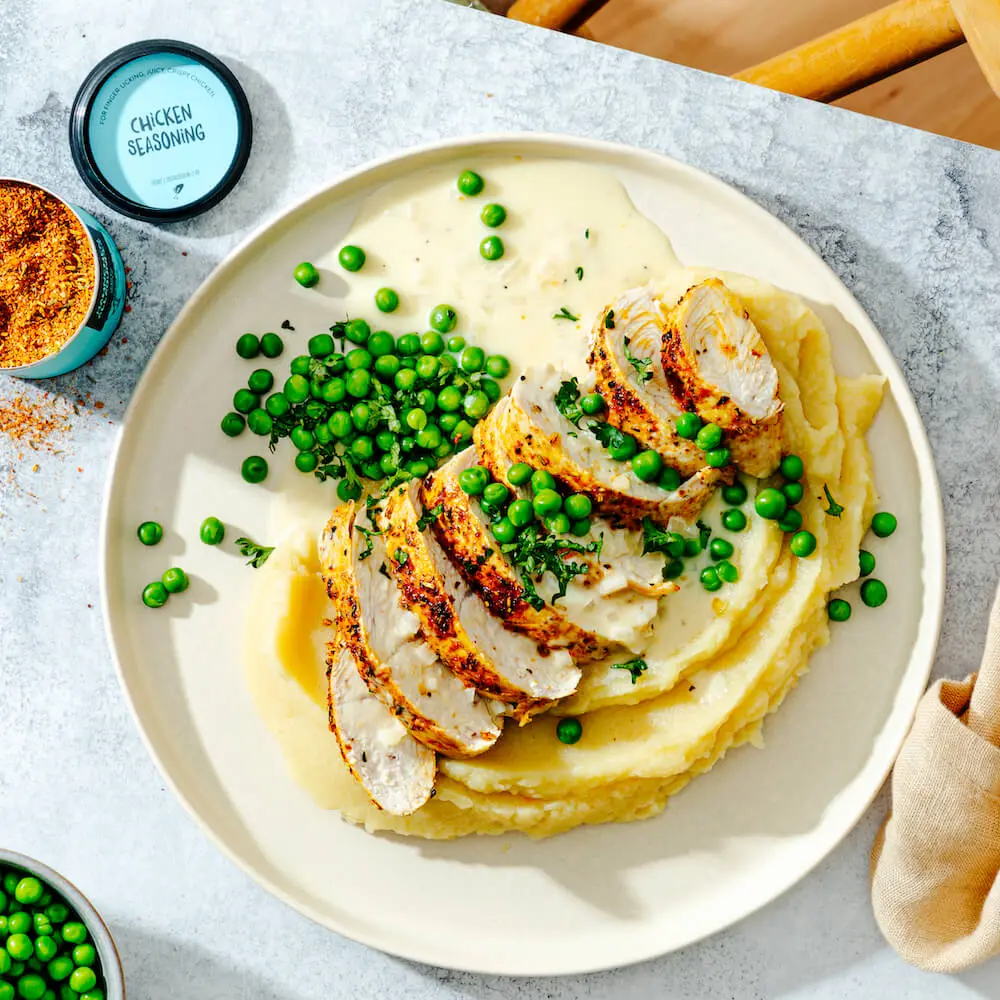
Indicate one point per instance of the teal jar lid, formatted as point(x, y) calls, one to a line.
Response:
point(161, 130)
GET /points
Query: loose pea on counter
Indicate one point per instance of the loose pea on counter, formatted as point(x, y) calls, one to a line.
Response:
point(150, 532)
point(306, 275)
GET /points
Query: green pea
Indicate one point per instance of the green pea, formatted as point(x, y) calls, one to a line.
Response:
point(581, 527)
point(408, 345)
point(734, 520)
point(427, 366)
point(271, 345)
point(448, 422)
point(728, 573)
point(19, 921)
point(19, 947)
point(792, 467)
point(10, 881)
point(150, 532)
point(385, 440)
point(57, 913)
point(46, 947)
point(321, 345)
point(473, 359)
point(541, 480)
point(154, 595)
point(734, 494)
point(334, 390)
point(212, 531)
point(60, 968)
point(386, 300)
point(838, 610)
point(473, 480)
point(521, 513)
point(673, 569)
point(340, 424)
point(362, 448)
point(456, 343)
point(248, 346)
point(277, 404)
point(175, 580)
point(874, 593)
point(578, 506)
point(569, 731)
point(300, 365)
point(426, 400)
point(429, 438)
point(470, 183)
point(717, 458)
point(358, 359)
point(232, 424)
point(675, 545)
point(709, 437)
point(670, 479)
point(31, 987)
point(347, 490)
point(244, 401)
point(496, 494)
point(493, 215)
point(358, 383)
point(719, 548)
point(623, 450)
point(491, 388)
point(5, 962)
point(592, 404)
point(432, 342)
point(519, 474)
point(405, 379)
point(503, 530)
point(415, 419)
point(883, 525)
point(259, 421)
point(866, 565)
point(491, 248)
point(558, 524)
point(82, 979)
point(41, 923)
point(443, 318)
point(647, 465)
point(449, 399)
point(418, 468)
point(444, 449)
point(475, 405)
point(791, 520)
point(688, 425)
point(302, 439)
point(388, 464)
point(547, 503)
point(710, 578)
point(351, 258)
point(29, 890)
point(357, 331)
point(307, 276)
point(771, 504)
point(793, 492)
point(254, 469)
point(803, 544)
point(296, 389)
point(316, 386)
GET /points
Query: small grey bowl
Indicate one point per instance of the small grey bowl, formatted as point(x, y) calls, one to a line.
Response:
point(111, 963)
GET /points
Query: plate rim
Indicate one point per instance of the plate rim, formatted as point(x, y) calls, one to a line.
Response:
point(928, 630)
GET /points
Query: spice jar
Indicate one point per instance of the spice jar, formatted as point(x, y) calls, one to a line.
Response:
point(62, 283)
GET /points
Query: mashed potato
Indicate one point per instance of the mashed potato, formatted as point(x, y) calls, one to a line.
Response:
point(718, 664)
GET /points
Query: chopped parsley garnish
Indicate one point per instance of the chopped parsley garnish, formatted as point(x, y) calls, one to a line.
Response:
point(256, 555)
point(704, 534)
point(643, 366)
point(535, 554)
point(654, 539)
point(610, 437)
point(401, 556)
point(564, 313)
point(835, 509)
point(609, 320)
point(367, 534)
point(384, 570)
point(579, 274)
point(286, 325)
point(586, 234)
point(636, 667)
point(430, 516)
point(568, 401)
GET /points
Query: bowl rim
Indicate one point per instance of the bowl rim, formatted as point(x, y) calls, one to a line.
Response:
point(111, 960)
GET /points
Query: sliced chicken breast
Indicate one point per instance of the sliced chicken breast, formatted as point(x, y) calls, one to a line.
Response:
point(527, 426)
point(716, 363)
point(399, 669)
point(625, 357)
point(394, 769)
point(458, 626)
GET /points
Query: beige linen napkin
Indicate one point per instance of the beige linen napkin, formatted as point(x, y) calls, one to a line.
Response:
point(935, 862)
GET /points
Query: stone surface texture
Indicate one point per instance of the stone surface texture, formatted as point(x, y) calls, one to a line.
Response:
point(911, 223)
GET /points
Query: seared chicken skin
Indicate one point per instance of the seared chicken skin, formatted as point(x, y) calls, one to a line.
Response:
point(458, 626)
point(717, 366)
point(394, 769)
point(526, 426)
point(399, 669)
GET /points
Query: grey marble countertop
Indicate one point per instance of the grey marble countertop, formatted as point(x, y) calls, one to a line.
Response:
point(911, 222)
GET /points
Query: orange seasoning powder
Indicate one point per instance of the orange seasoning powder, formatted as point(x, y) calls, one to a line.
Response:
point(47, 274)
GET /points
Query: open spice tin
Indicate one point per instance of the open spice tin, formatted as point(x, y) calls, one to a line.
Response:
point(102, 314)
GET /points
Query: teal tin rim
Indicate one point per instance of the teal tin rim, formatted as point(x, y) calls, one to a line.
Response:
point(106, 304)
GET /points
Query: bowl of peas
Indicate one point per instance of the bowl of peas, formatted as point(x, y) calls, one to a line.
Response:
point(53, 943)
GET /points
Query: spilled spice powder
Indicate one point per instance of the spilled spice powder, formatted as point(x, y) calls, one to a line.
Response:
point(36, 422)
point(47, 274)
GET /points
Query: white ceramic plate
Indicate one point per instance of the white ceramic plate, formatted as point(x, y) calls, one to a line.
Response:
point(593, 898)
